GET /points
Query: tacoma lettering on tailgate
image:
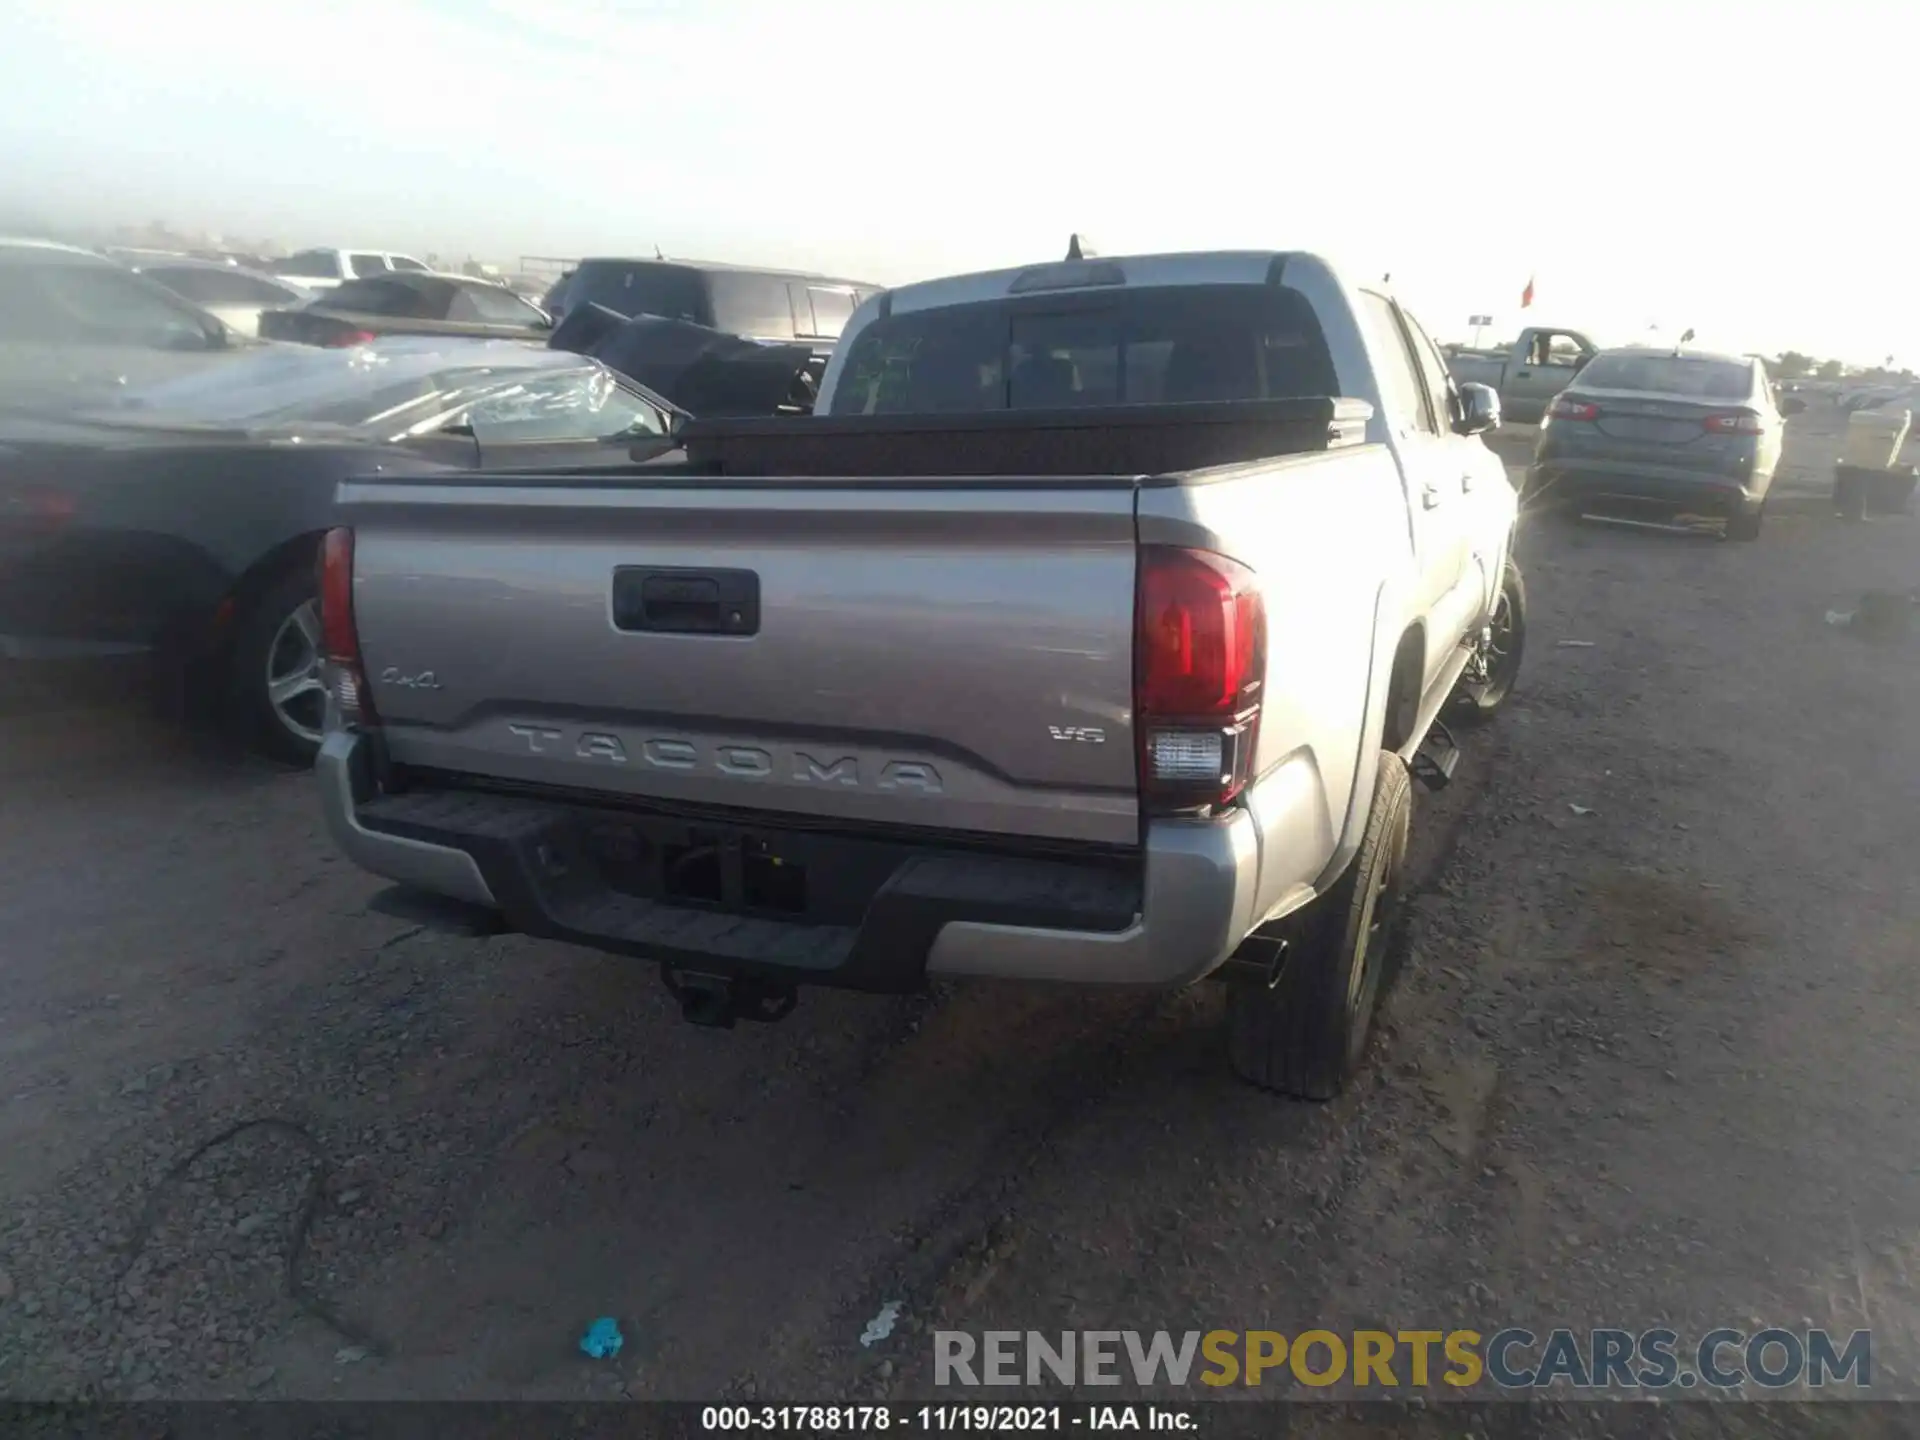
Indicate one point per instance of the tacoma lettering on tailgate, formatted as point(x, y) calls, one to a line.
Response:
point(742, 762)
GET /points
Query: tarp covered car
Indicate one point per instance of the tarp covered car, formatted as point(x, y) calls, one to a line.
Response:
point(705, 372)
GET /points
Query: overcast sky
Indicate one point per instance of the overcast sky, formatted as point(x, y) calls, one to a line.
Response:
point(1740, 169)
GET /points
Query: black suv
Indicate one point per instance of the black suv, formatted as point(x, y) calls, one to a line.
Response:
point(757, 304)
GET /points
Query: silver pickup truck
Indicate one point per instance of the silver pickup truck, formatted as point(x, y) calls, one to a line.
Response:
point(1528, 373)
point(1092, 630)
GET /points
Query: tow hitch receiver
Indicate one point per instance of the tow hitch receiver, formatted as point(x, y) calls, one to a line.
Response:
point(1434, 761)
point(717, 1001)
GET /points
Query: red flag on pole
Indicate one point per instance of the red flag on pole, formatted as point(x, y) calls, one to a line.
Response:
point(1526, 295)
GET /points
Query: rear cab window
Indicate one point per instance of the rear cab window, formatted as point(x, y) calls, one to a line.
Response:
point(1142, 346)
point(1692, 377)
point(363, 264)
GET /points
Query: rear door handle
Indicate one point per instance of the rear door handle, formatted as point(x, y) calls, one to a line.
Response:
point(1429, 496)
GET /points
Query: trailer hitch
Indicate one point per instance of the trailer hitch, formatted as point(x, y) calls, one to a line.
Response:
point(718, 1001)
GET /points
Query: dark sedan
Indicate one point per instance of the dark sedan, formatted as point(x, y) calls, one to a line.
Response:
point(408, 303)
point(1675, 431)
point(181, 525)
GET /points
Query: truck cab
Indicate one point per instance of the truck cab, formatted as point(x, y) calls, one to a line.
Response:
point(1528, 373)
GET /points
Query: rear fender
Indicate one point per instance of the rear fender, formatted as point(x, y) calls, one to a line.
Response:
point(1391, 623)
point(211, 638)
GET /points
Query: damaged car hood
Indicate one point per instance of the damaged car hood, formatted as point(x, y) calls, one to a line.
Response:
point(704, 372)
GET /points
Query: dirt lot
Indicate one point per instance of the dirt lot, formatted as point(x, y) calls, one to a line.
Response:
point(1649, 1061)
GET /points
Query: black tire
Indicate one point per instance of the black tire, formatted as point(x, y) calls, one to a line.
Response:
point(1744, 523)
point(1474, 702)
point(1305, 1034)
point(261, 638)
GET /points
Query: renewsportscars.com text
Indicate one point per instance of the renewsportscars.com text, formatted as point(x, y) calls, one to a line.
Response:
point(1655, 1359)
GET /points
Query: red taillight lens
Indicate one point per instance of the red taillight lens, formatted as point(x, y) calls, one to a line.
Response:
point(1564, 408)
point(1200, 659)
point(340, 340)
point(1739, 422)
point(337, 633)
point(336, 596)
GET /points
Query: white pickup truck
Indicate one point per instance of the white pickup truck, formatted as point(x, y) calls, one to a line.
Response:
point(1092, 630)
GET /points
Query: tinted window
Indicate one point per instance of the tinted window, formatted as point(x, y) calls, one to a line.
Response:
point(314, 264)
point(1690, 376)
point(639, 287)
point(94, 305)
point(405, 262)
point(492, 305)
point(748, 304)
point(1141, 347)
point(831, 310)
point(389, 297)
point(1400, 389)
point(363, 264)
point(220, 287)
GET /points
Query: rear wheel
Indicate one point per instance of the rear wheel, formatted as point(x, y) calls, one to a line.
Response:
point(1497, 652)
point(275, 685)
point(1304, 1033)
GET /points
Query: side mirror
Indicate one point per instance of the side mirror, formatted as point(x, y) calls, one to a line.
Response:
point(1479, 409)
point(1792, 405)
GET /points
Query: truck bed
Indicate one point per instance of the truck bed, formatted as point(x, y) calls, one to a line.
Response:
point(1132, 440)
point(862, 621)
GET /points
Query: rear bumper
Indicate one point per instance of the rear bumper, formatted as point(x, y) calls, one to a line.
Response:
point(1569, 481)
point(1166, 918)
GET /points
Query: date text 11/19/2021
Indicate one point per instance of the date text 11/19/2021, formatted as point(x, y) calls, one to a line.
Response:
point(944, 1418)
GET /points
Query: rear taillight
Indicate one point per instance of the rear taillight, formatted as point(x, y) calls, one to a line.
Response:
point(1738, 422)
point(346, 681)
point(1200, 659)
point(1566, 408)
point(341, 339)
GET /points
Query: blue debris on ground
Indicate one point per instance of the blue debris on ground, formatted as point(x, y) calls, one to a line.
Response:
point(603, 1339)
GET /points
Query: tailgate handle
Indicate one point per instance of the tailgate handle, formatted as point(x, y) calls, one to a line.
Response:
point(686, 602)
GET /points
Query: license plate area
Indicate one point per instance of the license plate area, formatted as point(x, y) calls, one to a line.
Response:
point(1650, 429)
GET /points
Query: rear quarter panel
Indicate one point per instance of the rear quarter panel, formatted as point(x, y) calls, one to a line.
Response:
point(1327, 536)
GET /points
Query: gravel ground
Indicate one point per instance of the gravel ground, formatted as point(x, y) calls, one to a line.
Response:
point(1647, 1062)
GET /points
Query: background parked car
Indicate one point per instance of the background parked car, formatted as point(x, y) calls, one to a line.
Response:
point(327, 266)
point(1670, 429)
point(235, 295)
point(181, 524)
point(411, 304)
point(757, 304)
point(76, 326)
